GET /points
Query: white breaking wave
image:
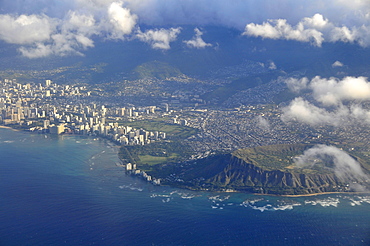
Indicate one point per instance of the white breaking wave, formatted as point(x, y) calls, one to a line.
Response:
point(253, 203)
point(324, 202)
point(130, 187)
point(358, 200)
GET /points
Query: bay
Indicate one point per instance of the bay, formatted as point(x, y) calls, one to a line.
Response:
point(69, 190)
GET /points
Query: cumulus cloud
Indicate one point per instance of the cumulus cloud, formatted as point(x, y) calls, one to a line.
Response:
point(306, 30)
point(331, 94)
point(159, 38)
point(360, 34)
point(206, 12)
point(297, 85)
point(36, 51)
point(197, 41)
point(76, 31)
point(337, 64)
point(263, 123)
point(122, 20)
point(241, 12)
point(40, 26)
point(42, 36)
point(66, 38)
point(302, 111)
point(334, 91)
point(26, 29)
point(315, 29)
point(272, 65)
point(342, 164)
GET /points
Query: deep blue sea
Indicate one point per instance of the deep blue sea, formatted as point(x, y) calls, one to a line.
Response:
point(68, 190)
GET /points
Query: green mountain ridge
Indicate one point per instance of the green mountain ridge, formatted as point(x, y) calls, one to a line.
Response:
point(155, 69)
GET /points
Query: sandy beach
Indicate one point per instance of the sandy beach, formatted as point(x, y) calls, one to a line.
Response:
point(326, 193)
point(7, 127)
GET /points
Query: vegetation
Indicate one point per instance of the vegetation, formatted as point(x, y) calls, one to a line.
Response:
point(265, 169)
point(155, 69)
point(168, 151)
point(223, 93)
point(273, 157)
point(281, 157)
point(284, 96)
point(173, 131)
point(154, 160)
point(147, 156)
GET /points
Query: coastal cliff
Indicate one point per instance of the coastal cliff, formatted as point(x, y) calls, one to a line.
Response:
point(243, 176)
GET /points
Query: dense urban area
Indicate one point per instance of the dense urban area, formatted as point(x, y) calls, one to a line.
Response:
point(64, 109)
point(48, 107)
point(179, 126)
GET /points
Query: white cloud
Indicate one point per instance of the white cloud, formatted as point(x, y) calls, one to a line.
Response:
point(315, 30)
point(84, 41)
point(334, 91)
point(197, 41)
point(206, 12)
point(297, 85)
point(67, 38)
point(306, 30)
point(159, 38)
point(317, 22)
point(360, 114)
point(121, 19)
point(83, 23)
point(26, 29)
point(355, 34)
point(272, 65)
point(331, 93)
point(342, 164)
point(240, 12)
point(337, 64)
point(78, 30)
point(263, 123)
point(42, 36)
point(38, 50)
point(32, 24)
point(302, 111)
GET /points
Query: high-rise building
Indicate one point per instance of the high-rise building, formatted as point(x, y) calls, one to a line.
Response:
point(129, 112)
point(128, 166)
point(122, 112)
point(59, 129)
point(46, 123)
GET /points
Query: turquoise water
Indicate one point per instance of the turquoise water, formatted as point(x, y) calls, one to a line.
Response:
point(69, 191)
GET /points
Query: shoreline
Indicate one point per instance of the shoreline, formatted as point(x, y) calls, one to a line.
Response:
point(274, 195)
point(8, 127)
point(326, 193)
point(314, 194)
point(116, 147)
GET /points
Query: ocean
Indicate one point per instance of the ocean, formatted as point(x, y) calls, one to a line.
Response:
point(69, 190)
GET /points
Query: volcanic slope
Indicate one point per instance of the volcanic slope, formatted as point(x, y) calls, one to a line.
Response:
point(265, 169)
